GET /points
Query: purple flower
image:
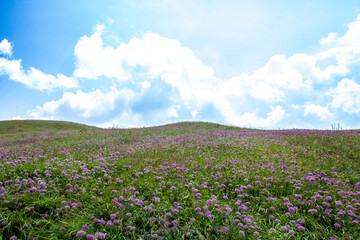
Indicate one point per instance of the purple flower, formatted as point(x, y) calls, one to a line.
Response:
point(338, 203)
point(318, 196)
point(272, 230)
point(85, 228)
point(301, 228)
point(285, 228)
point(342, 212)
point(336, 225)
point(90, 237)
point(209, 215)
point(102, 222)
point(328, 198)
point(312, 211)
point(247, 220)
point(129, 214)
point(291, 232)
point(291, 209)
point(198, 195)
point(99, 235)
point(298, 196)
point(327, 211)
point(81, 233)
point(13, 238)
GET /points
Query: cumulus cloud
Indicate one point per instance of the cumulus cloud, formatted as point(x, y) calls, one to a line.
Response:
point(345, 49)
point(191, 83)
point(156, 78)
point(252, 120)
point(94, 104)
point(17, 118)
point(32, 78)
point(322, 112)
point(346, 96)
point(5, 47)
point(156, 56)
point(94, 60)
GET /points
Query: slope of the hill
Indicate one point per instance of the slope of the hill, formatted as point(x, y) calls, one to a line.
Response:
point(21, 126)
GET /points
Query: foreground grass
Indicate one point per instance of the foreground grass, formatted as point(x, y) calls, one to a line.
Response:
point(181, 181)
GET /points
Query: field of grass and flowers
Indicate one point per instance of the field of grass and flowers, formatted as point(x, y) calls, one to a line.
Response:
point(180, 181)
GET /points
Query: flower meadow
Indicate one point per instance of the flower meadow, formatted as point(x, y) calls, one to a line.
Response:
point(181, 181)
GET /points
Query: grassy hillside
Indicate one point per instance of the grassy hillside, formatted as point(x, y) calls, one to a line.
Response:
point(187, 180)
point(25, 126)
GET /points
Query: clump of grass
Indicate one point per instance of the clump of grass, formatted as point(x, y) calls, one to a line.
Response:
point(181, 181)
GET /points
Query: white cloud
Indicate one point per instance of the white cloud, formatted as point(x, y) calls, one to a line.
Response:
point(252, 120)
point(280, 74)
point(109, 20)
point(330, 39)
point(298, 72)
point(94, 60)
point(194, 113)
point(345, 49)
point(17, 118)
point(158, 57)
point(346, 95)
point(5, 47)
point(150, 62)
point(161, 58)
point(171, 112)
point(85, 105)
point(322, 112)
point(34, 78)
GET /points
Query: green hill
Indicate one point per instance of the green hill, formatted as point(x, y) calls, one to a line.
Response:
point(23, 126)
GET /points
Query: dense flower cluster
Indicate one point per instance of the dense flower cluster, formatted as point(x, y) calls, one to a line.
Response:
point(175, 182)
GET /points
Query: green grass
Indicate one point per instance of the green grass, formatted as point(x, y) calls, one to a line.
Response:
point(54, 182)
point(23, 128)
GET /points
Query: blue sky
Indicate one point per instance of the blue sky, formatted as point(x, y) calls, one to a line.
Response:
point(262, 64)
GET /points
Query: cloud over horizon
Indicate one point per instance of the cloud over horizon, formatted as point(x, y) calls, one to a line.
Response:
point(154, 80)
